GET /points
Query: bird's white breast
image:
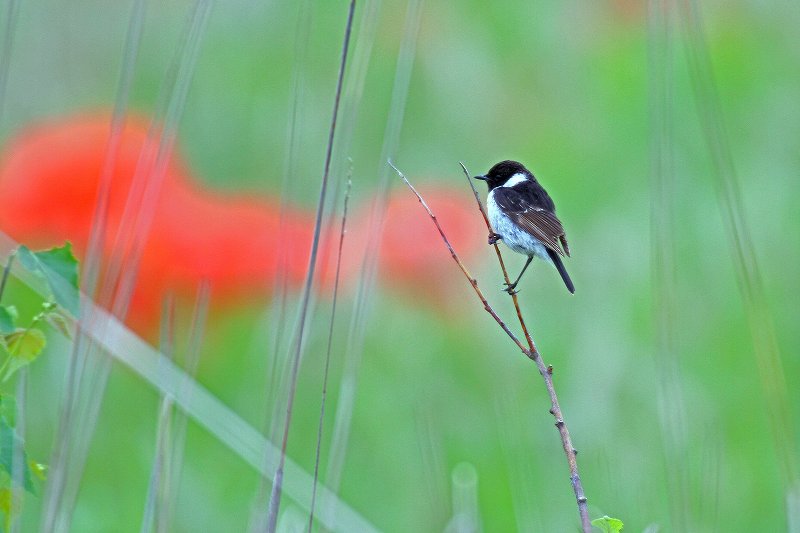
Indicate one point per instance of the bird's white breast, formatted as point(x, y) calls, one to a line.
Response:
point(514, 237)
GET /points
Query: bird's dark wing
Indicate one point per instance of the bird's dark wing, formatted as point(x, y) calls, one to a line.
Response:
point(540, 222)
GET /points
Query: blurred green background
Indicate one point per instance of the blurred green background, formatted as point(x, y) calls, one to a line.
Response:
point(563, 87)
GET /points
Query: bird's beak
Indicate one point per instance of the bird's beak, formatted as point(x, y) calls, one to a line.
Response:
point(482, 178)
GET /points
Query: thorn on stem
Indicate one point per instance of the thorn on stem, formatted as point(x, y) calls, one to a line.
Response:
point(550, 369)
point(559, 422)
point(553, 411)
point(582, 499)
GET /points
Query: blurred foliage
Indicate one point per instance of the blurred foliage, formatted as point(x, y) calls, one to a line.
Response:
point(21, 346)
point(564, 88)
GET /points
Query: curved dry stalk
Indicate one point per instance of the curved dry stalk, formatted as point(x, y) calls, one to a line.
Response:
point(277, 484)
point(328, 354)
point(531, 352)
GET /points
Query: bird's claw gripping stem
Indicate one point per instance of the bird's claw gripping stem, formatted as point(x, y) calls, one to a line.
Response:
point(494, 237)
point(510, 288)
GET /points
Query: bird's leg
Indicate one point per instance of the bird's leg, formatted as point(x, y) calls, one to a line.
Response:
point(511, 286)
point(494, 237)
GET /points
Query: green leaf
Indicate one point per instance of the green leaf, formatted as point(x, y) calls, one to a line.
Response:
point(23, 346)
point(608, 524)
point(26, 344)
point(6, 321)
point(59, 268)
point(11, 444)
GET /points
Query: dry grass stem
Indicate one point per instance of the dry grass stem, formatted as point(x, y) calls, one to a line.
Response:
point(275, 496)
point(328, 354)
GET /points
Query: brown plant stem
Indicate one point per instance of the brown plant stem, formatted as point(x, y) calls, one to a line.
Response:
point(531, 352)
point(513, 294)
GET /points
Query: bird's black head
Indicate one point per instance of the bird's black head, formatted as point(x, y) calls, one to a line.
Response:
point(502, 172)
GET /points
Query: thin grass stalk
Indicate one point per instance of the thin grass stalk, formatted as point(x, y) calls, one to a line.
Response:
point(18, 466)
point(431, 454)
point(793, 511)
point(766, 350)
point(6, 46)
point(328, 355)
point(352, 90)
point(354, 85)
point(351, 101)
point(6, 272)
point(280, 283)
point(671, 405)
point(17, 462)
point(366, 287)
point(91, 263)
point(125, 347)
point(143, 220)
point(275, 497)
point(163, 424)
point(520, 473)
point(531, 352)
point(174, 457)
point(119, 284)
point(97, 235)
point(464, 482)
point(277, 366)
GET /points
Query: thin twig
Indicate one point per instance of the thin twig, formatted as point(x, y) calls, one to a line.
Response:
point(275, 496)
point(463, 268)
point(328, 354)
point(499, 258)
point(530, 352)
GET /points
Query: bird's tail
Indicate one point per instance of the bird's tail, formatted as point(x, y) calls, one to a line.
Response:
point(561, 270)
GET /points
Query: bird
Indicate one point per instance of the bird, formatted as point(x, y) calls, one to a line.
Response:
point(523, 216)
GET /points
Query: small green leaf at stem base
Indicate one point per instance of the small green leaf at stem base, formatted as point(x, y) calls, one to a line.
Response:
point(23, 347)
point(59, 268)
point(26, 344)
point(607, 524)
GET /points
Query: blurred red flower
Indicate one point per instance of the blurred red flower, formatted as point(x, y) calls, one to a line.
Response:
point(49, 177)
